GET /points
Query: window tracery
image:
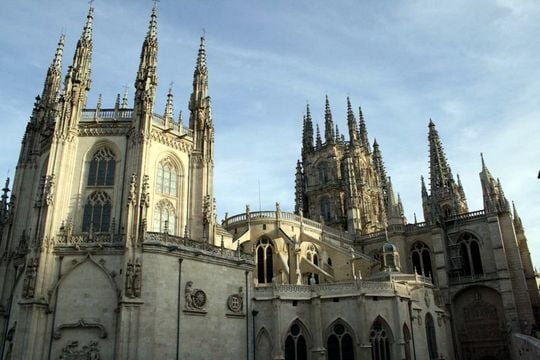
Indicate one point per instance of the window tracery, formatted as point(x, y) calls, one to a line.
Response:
point(166, 178)
point(97, 212)
point(421, 259)
point(340, 343)
point(380, 336)
point(470, 255)
point(102, 168)
point(295, 343)
point(431, 338)
point(165, 217)
point(265, 264)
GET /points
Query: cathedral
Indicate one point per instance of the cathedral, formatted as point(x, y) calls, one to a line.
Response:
point(110, 246)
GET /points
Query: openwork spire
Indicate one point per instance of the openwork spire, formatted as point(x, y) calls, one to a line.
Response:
point(379, 167)
point(363, 130)
point(328, 123)
point(147, 80)
point(201, 56)
point(351, 123)
point(318, 140)
point(54, 76)
point(307, 133)
point(440, 172)
point(169, 108)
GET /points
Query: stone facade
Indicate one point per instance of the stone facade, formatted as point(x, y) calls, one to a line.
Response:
point(110, 246)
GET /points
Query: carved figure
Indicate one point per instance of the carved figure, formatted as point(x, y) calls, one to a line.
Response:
point(195, 298)
point(189, 295)
point(137, 279)
point(129, 280)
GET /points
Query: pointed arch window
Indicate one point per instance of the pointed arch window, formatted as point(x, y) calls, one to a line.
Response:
point(380, 337)
point(313, 257)
point(340, 343)
point(326, 211)
point(165, 217)
point(295, 343)
point(97, 212)
point(407, 339)
point(265, 261)
point(430, 336)
point(102, 168)
point(421, 259)
point(471, 259)
point(166, 178)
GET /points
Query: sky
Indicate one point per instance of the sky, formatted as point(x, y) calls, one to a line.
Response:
point(471, 66)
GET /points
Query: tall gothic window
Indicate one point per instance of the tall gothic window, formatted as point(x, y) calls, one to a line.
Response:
point(431, 338)
point(380, 336)
point(164, 217)
point(323, 173)
point(167, 178)
point(326, 212)
point(97, 212)
point(340, 343)
point(295, 343)
point(421, 259)
point(313, 257)
point(102, 166)
point(265, 263)
point(407, 339)
point(470, 255)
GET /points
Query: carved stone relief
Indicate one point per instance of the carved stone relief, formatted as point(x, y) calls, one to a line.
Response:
point(133, 279)
point(80, 324)
point(29, 283)
point(195, 298)
point(88, 352)
point(235, 302)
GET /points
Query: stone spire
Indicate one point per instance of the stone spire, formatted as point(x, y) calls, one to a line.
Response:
point(518, 225)
point(363, 129)
point(379, 163)
point(53, 80)
point(492, 191)
point(328, 123)
point(307, 133)
point(200, 81)
point(338, 135)
point(147, 80)
point(168, 115)
point(447, 198)
point(125, 99)
point(299, 189)
point(426, 201)
point(351, 123)
point(77, 82)
point(440, 172)
point(318, 140)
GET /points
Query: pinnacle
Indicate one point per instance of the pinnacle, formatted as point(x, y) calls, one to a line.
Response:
point(201, 57)
point(87, 31)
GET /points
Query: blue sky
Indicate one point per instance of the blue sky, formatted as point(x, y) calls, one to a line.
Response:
point(470, 66)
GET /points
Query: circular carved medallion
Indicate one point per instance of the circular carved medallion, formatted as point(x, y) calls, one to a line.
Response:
point(234, 302)
point(199, 299)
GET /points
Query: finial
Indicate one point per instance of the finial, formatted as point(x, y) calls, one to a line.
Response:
point(201, 57)
point(483, 162)
point(57, 62)
point(375, 143)
point(180, 119)
point(125, 98)
point(117, 102)
point(152, 27)
point(431, 124)
point(87, 31)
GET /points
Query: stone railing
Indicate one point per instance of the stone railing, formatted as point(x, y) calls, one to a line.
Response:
point(456, 279)
point(525, 347)
point(172, 241)
point(353, 288)
point(327, 232)
point(172, 126)
point(89, 240)
point(461, 218)
point(106, 114)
